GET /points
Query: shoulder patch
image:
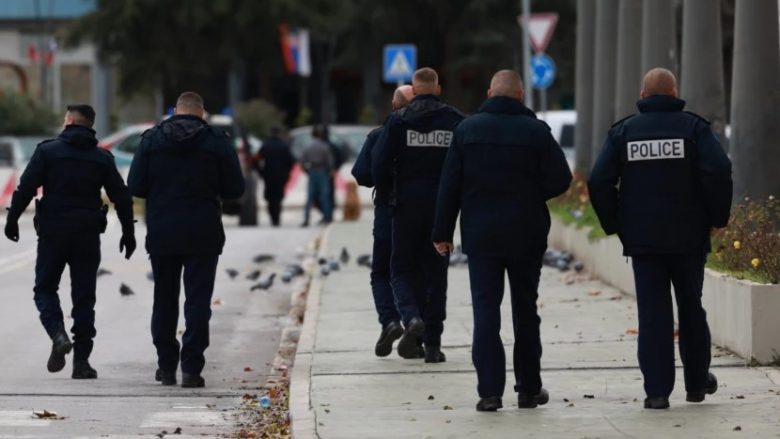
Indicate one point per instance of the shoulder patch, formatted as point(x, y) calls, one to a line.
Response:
point(622, 120)
point(700, 117)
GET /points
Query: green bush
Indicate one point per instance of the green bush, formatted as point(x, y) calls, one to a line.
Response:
point(573, 207)
point(20, 115)
point(258, 116)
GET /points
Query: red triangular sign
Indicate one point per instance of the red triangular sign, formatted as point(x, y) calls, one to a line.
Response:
point(540, 29)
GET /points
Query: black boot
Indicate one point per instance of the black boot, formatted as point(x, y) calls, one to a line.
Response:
point(407, 346)
point(192, 380)
point(60, 347)
point(710, 388)
point(83, 371)
point(167, 378)
point(657, 403)
point(433, 354)
point(390, 333)
point(489, 404)
point(526, 401)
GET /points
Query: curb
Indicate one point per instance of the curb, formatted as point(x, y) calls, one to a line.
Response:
point(302, 417)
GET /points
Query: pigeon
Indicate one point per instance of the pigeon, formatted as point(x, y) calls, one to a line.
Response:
point(333, 265)
point(322, 261)
point(259, 259)
point(265, 283)
point(578, 267)
point(125, 290)
point(254, 275)
point(290, 272)
point(232, 273)
point(150, 276)
point(364, 260)
point(324, 270)
point(562, 265)
point(101, 271)
point(344, 258)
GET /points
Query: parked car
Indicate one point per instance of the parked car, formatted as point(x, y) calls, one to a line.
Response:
point(124, 143)
point(562, 124)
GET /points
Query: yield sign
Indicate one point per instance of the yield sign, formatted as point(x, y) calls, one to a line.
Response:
point(540, 29)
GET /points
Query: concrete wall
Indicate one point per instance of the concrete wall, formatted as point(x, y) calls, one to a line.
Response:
point(743, 315)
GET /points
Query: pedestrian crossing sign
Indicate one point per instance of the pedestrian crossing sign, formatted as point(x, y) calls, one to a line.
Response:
point(400, 62)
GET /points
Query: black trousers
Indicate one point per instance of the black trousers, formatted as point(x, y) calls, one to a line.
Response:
point(418, 273)
point(382, 290)
point(80, 252)
point(274, 210)
point(654, 275)
point(199, 274)
point(486, 276)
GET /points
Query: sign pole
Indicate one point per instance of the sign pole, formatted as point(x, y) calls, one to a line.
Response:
point(526, 13)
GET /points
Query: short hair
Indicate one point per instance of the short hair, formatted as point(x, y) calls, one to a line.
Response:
point(506, 83)
point(190, 99)
point(425, 76)
point(659, 81)
point(83, 114)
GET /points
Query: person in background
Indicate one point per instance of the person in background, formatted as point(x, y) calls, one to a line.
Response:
point(275, 161)
point(318, 162)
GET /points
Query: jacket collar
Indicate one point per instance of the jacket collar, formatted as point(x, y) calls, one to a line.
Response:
point(79, 136)
point(660, 103)
point(506, 105)
point(426, 98)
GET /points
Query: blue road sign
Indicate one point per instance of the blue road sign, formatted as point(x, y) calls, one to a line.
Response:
point(400, 62)
point(542, 71)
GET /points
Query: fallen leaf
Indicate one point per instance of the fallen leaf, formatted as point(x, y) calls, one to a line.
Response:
point(273, 393)
point(327, 410)
point(177, 431)
point(446, 407)
point(431, 398)
point(632, 331)
point(740, 396)
point(218, 302)
point(248, 369)
point(594, 293)
point(448, 421)
point(571, 404)
point(45, 414)
point(677, 425)
point(588, 396)
point(738, 428)
point(565, 399)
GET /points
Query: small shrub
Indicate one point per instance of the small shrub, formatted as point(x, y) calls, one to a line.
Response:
point(20, 115)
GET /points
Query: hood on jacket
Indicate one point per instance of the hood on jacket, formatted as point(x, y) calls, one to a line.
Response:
point(422, 108)
point(79, 137)
point(178, 131)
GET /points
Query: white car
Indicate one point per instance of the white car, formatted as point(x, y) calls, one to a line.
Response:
point(562, 124)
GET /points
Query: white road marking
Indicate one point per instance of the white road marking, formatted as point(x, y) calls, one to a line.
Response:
point(21, 418)
point(183, 419)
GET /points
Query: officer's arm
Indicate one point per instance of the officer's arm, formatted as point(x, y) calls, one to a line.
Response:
point(714, 172)
point(450, 190)
point(602, 186)
point(361, 170)
point(119, 194)
point(138, 178)
point(231, 184)
point(383, 155)
point(29, 182)
point(556, 175)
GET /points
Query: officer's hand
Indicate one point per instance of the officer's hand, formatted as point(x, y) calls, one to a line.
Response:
point(12, 230)
point(443, 248)
point(127, 245)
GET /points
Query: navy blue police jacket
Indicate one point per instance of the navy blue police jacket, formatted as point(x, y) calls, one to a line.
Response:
point(278, 161)
point(361, 170)
point(662, 180)
point(500, 171)
point(183, 168)
point(409, 154)
point(72, 171)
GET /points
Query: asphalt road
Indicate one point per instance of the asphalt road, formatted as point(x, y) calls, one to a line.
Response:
point(125, 401)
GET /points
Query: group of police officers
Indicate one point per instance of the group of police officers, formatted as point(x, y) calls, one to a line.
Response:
point(183, 168)
point(662, 182)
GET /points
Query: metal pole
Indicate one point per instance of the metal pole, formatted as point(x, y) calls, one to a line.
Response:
point(702, 85)
point(755, 99)
point(583, 99)
point(529, 95)
point(629, 57)
point(659, 35)
point(604, 72)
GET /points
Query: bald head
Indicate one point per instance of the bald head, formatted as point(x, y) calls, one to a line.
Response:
point(402, 96)
point(190, 103)
point(426, 82)
point(506, 83)
point(659, 81)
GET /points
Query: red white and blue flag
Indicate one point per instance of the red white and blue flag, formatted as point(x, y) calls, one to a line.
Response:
point(295, 50)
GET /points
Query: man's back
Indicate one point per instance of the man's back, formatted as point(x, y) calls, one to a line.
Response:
point(183, 168)
point(278, 160)
point(317, 156)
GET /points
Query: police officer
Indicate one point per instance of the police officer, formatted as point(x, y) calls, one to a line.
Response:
point(406, 166)
point(502, 167)
point(69, 220)
point(183, 167)
point(662, 182)
point(277, 162)
point(380, 261)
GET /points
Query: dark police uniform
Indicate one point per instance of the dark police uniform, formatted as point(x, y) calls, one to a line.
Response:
point(501, 169)
point(183, 168)
point(384, 299)
point(406, 165)
point(661, 183)
point(69, 220)
point(277, 163)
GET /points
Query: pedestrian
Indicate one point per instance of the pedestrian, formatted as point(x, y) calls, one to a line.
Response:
point(183, 167)
point(338, 152)
point(406, 165)
point(276, 162)
point(662, 182)
point(317, 160)
point(382, 290)
point(69, 219)
point(501, 169)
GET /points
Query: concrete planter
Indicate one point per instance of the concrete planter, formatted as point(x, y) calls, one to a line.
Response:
point(744, 316)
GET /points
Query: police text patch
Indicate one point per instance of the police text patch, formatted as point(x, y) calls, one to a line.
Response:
point(437, 138)
point(656, 149)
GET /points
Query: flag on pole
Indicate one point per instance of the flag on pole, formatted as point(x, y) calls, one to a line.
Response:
point(295, 50)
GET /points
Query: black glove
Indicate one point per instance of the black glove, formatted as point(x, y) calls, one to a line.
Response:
point(127, 245)
point(12, 230)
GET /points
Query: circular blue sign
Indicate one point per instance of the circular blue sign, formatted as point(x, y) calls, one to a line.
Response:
point(542, 71)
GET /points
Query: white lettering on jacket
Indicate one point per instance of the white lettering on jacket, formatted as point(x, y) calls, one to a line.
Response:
point(660, 149)
point(436, 139)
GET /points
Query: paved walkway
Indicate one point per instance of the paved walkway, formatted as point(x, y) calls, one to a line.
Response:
point(589, 367)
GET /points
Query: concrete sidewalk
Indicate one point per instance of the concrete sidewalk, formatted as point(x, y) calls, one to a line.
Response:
point(341, 390)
